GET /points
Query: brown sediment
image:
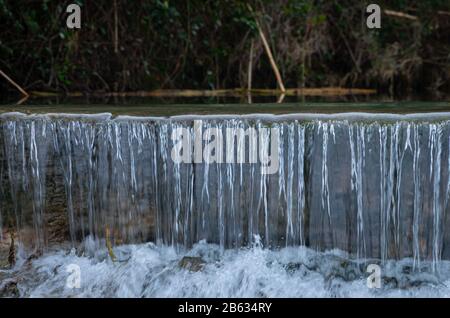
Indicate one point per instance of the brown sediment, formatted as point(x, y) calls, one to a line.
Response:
point(109, 245)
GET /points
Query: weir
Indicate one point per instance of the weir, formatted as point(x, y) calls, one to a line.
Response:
point(376, 186)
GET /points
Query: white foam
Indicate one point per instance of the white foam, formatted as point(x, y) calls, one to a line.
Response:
point(149, 271)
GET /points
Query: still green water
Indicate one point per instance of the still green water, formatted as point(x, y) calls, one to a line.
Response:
point(158, 109)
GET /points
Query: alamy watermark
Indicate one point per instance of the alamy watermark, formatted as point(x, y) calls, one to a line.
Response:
point(73, 20)
point(238, 145)
point(374, 19)
point(73, 281)
point(374, 279)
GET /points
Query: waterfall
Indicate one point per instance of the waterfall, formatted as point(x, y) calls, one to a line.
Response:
point(376, 186)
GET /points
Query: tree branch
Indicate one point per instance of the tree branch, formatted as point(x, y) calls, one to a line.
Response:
point(399, 14)
point(14, 83)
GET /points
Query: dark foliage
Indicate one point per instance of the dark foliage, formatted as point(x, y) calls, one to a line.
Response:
point(205, 44)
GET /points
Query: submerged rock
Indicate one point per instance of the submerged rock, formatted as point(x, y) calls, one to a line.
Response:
point(12, 252)
point(292, 268)
point(8, 248)
point(193, 264)
point(159, 271)
point(409, 281)
point(8, 288)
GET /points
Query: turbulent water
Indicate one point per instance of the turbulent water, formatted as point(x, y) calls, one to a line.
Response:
point(374, 186)
point(147, 270)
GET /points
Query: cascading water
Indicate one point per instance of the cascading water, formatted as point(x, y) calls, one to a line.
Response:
point(375, 186)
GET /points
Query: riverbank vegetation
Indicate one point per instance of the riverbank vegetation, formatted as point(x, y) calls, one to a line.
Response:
point(126, 46)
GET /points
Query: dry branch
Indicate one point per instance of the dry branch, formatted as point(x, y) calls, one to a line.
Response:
point(269, 53)
point(250, 74)
point(14, 83)
point(271, 59)
point(250, 68)
point(399, 14)
point(116, 29)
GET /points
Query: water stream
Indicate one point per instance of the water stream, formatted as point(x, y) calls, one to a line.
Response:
point(370, 186)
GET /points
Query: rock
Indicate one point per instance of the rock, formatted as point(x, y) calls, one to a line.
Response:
point(406, 281)
point(12, 252)
point(3, 260)
point(338, 267)
point(389, 282)
point(193, 264)
point(8, 288)
point(407, 269)
point(8, 249)
point(291, 267)
point(56, 212)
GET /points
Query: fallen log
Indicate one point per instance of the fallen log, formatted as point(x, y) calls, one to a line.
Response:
point(237, 92)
